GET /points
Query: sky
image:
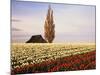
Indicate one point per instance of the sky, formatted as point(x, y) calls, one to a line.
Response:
point(73, 23)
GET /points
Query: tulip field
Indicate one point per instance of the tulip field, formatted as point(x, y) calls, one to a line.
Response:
point(52, 57)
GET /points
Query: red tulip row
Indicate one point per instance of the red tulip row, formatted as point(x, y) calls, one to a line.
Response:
point(75, 62)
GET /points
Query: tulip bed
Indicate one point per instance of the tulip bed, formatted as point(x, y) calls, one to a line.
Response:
point(37, 58)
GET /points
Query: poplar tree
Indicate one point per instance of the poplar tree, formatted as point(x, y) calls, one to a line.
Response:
point(49, 27)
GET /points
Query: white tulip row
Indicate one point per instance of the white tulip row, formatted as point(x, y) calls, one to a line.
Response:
point(25, 54)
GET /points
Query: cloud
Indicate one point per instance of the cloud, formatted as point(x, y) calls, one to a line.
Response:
point(16, 29)
point(15, 20)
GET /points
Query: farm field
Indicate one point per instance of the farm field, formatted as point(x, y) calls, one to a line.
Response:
point(53, 57)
